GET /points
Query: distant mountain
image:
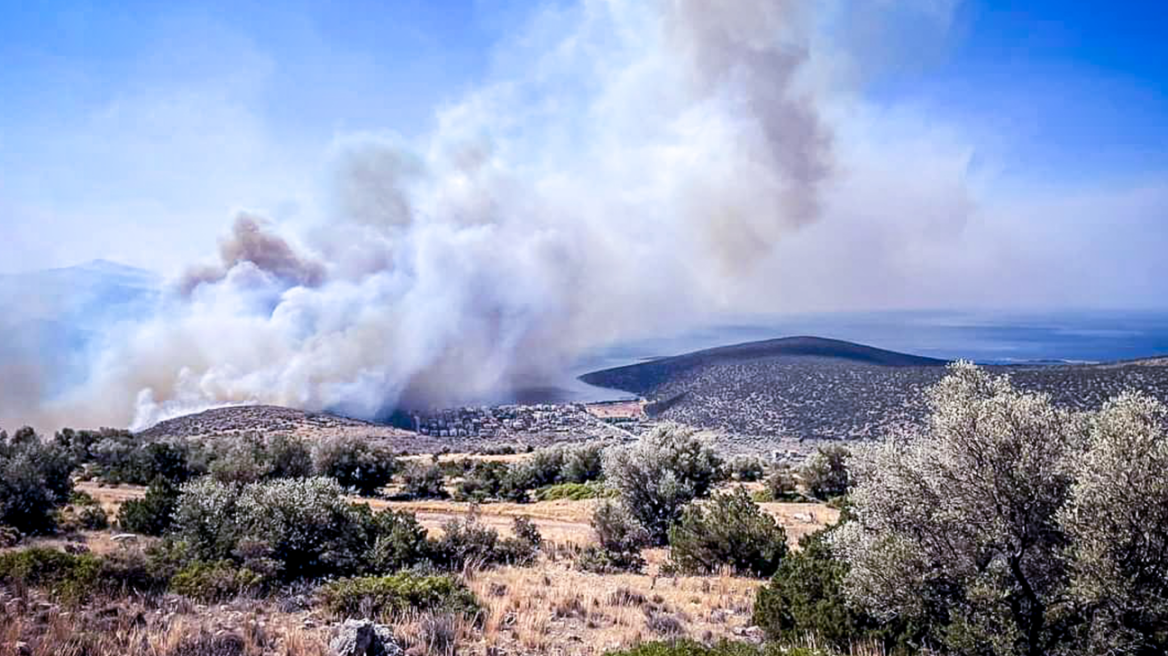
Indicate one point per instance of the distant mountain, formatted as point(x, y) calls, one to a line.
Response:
point(642, 378)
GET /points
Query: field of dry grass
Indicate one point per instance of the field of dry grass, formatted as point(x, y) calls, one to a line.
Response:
point(561, 521)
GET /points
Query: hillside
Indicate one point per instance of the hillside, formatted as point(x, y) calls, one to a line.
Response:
point(264, 418)
point(643, 378)
point(807, 387)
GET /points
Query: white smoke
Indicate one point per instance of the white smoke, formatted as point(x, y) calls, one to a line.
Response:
point(640, 169)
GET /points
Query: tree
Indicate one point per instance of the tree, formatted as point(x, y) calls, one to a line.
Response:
point(658, 475)
point(826, 475)
point(356, 463)
point(958, 524)
point(1116, 522)
point(729, 530)
point(34, 481)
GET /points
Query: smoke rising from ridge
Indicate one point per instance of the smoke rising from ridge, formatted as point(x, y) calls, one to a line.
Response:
point(640, 171)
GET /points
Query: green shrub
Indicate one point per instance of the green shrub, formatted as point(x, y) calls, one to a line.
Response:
point(216, 581)
point(483, 480)
point(620, 539)
point(728, 531)
point(302, 527)
point(356, 463)
point(657, 476)
point(76, 578)
point(400, 542)
point(805, 599)
point(395, 595)
point(151, 515)
point(34, 481)
point(424, 481)
point(572, 492)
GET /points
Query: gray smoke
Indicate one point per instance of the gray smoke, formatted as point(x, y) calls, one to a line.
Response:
point(634, 175)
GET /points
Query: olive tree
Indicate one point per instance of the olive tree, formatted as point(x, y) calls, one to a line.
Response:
point(656, 476)
point(961, 526)
point(1116, 521)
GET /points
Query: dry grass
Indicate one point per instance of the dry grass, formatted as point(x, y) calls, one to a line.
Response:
point(552, 608)
point(562, 521)
point(155, 628)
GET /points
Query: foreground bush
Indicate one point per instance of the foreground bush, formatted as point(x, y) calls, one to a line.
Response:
point(805, 600)
point(305, 526)
point(620, 540)
point(393, 596)
point(1009, 526)
point(727, 531)
point(657, 476)
point(216, 581)
point(467, 541)
point(151, 515)
point(77, 578)
point(34, 481)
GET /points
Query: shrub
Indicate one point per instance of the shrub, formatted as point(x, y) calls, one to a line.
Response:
point(728, 531)
point(746, 469)
point(77, 578)
point(83, 512)
point(805, 599)
point(395, 595)
point(524, 547)
point(781, 485)
point(356, 463)
point(483, 480)
point(467, 541)
point(151, 515)
point(583, 463)
point(620, 538)
point(826, 475)
point(1006, 525)
point(34, 481)
point(303, 528)
point(216, 581)
point(253, 457)
point(400, 542)
point(572, 492)
point(422, 481)
point(123, 458)
point(658, 475)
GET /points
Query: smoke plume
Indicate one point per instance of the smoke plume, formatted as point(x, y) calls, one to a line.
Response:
point(637, 170)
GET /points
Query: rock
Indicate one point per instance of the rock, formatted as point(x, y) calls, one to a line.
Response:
point(125, 537)
point(364, 638)
point(21, 649)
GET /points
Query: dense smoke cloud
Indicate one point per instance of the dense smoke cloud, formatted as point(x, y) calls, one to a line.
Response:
point(641, 170)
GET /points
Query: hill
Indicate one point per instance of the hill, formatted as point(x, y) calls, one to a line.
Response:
point(814, 388)
point(645, 377)
point(264, 418)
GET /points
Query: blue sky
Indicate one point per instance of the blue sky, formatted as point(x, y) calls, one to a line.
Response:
point(139, 122)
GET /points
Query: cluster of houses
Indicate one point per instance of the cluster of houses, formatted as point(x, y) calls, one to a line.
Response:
point(499, 421)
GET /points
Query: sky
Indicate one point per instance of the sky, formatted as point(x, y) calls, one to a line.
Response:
point(136, 123)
